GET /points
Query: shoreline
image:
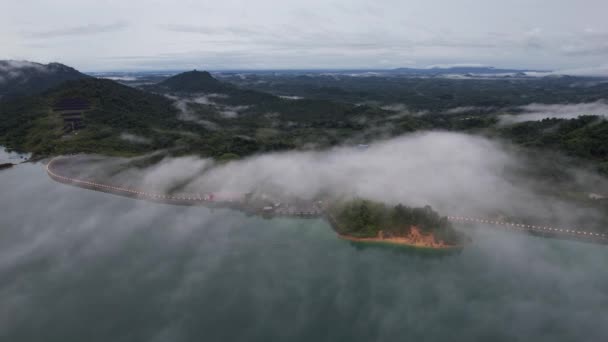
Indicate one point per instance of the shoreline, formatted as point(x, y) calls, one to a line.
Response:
point(398, 242)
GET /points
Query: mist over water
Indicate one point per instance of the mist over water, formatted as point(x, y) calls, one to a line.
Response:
point(82, 265)
point(540, 111)
point(456, 174)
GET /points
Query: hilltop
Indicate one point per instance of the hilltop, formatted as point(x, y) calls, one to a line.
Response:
point(202, 82)
point(21, 78)
point(195, 81)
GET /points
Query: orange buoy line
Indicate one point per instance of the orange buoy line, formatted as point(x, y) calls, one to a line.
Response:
point(121, 189)
point(520, 226)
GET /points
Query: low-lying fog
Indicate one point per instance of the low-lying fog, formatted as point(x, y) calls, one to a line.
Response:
point(540, 111)
point(454, 173)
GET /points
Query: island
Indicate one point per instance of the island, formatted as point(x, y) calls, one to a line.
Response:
point(362, 220)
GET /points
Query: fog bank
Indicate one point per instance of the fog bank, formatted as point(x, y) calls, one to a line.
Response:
point(454, 173)
point(539, 111)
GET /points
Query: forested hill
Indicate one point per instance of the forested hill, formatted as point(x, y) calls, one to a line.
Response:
point(362, 218)
point(112, 110)
point(202, 82)
point(195, 81)
point(21, 78)
point(123, 120)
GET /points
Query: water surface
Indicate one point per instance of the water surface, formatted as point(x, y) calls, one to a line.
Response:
point(79, 265)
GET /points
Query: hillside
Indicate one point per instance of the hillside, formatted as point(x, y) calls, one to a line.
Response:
point(585, 137)
point(22, 78)
point(202, 82)
point(121, 120)
point(113, 111)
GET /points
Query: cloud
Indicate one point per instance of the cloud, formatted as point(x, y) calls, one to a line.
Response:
point(469, 109)
point(12, 65)
point(401, 110)
point(121, 78)
point(83, 30)
point(455, 173)
point(587, 42)
point(232, 112)
point(187, 114)
point(302, 35)
point(11, 69)
point(457, 65)
point(291, 97)
point(539, 111)
point(133, 138)
point(212, 30)
point(597, 71)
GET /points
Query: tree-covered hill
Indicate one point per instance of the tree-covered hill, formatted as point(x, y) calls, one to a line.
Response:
point(202, 82)
point(195, 81)
point(21, 78)
point(584, 137)
point(363, 218)
point(31, 124)
point(125, 120)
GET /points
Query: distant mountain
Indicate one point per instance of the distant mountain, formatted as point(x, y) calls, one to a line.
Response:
point(195, 81)
point(456, 70)
point(29, 78)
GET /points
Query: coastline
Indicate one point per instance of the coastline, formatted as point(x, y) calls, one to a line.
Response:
point(399, 242)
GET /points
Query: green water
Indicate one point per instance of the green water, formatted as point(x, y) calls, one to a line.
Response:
point(78, 265)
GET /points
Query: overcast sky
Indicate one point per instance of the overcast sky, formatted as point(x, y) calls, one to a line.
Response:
point(181, 34)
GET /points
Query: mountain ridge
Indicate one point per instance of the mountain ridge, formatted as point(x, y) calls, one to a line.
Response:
point(23, 78)
point(195, 81)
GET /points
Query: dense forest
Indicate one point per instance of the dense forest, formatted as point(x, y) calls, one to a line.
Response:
point(365, 219)
point(433, 94)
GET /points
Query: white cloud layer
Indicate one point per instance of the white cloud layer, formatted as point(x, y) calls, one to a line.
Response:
point(540, 111)
point(306, 34)
point(454, 173)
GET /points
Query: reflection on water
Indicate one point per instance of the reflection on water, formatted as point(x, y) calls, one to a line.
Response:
point(79, 265)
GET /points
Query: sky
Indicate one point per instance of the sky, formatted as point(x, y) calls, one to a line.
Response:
point(106, 35)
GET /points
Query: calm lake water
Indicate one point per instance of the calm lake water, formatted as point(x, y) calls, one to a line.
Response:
point(78, 265)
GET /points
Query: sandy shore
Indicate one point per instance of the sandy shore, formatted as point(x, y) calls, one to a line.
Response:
point(400, 241)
